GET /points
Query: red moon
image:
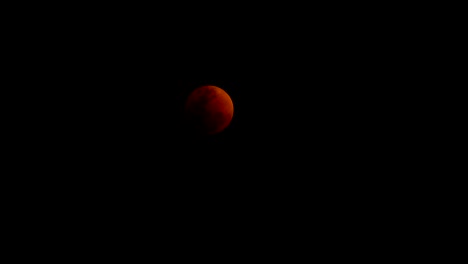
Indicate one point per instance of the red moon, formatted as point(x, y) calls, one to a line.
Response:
point(209, 109)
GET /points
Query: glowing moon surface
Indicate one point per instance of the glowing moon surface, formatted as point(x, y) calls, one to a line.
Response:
point(209, 109)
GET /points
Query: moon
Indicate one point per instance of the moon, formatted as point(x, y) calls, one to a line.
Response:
point(209, 110)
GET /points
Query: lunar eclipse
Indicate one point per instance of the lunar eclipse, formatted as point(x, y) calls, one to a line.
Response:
point(208, 110)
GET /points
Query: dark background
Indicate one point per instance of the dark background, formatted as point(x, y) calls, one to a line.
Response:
point(322, 91)
point(323, 115)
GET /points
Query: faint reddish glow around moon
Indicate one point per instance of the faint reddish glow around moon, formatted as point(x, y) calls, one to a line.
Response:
point(209, 109)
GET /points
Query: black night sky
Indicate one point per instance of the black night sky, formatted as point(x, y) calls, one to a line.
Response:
point(298, 116)
point(320, 100)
